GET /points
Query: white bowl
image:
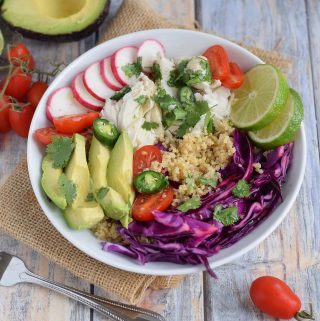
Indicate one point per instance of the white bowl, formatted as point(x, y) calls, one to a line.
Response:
point(177, 43)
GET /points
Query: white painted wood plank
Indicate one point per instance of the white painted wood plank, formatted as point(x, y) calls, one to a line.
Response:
point(292, 251)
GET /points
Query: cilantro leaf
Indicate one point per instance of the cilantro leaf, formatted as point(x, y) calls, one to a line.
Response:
point(69, 189)
point(209, 181)
point(226, 216)
point(192, 77)
point(164, 100)
point(149, 125)
point(141, 100)
point(60, 151)
point(208, 124)
point(156, 71)
point(90, 197)
point(191, 204)
point(176, 75)
point(119, 94)
point(102, 192)
point(133, 69)
point(242, 189)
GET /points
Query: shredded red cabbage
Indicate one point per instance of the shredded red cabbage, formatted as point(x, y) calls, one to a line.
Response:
point(192, 237)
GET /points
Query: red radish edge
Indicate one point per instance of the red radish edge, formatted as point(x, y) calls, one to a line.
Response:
point(82, 100)
point(88, 88)
point(150, 40)
point(114, 68)
point(114, 84)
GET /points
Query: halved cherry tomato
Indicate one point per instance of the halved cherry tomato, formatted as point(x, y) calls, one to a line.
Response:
point(18, 84)
point(19, 54)
point(144, 204)
point(20, 119)
point(218, 61)
point(74, 123)
point(44, 135)
point(35, 92)
point(5, 104)
point(235, 78)
point(144, 156)
point(273, 297)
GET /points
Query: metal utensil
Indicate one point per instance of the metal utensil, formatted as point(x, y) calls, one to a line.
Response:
point(14, 271)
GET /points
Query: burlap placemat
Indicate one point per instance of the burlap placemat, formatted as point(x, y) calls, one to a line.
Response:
point(21, 216)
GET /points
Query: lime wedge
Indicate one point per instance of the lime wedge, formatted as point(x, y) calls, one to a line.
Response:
point(1, 42)
point(282, 130)
point(260, 99)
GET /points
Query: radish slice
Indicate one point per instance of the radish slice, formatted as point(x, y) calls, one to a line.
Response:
point(82, 95)
point(62, 103)
point(122, 57)
point(94, 83)
point(149, 51)
point(107, 74)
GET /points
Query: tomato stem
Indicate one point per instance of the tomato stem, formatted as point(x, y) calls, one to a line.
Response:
point(304, 315)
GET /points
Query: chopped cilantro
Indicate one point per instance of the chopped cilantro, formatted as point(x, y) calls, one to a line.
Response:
point(208, 124)
point(226, 216)
point(90, 197)
point(133, 69)
point(209, 181)
point(60, 151)
point(141, 100)
point(156, 71)
point(176, 75)
point(242, 189)
point(191, 204)
point(149, 125)
point(164, 100)
point(102, 192)
point(119, 94)
point(69, 189)
point(193, 77)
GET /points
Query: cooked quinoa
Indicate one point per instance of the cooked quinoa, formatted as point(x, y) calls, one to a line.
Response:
point(195, 157)
point(106, 230)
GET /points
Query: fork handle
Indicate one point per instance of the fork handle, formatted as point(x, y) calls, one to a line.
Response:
point(114, 310)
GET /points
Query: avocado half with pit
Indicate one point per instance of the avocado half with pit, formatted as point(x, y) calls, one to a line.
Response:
point(56, 20)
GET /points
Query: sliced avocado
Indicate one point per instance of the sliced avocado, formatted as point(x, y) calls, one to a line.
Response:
point(78, 172)
point(119, 173)
point(99, 155)
point(57, 20)
point(126, 220)
point(113, 205)
point(50, 183)
point(83, 217)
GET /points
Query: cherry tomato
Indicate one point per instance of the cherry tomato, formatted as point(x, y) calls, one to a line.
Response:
point(235, 78)
point(218, 61)
point(19, 54)
point(44, 135)
point(20, 119)
point(273, 297)
point(74, 123)
point(5, 104)
point(144, 156)
point(35, 93)
point(18, 84)
point(144, 204)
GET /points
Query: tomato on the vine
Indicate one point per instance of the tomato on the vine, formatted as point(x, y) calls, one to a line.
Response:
point(145, 204)
point(20, 119)
point(18, 54)
point(18, 84)
point(35, 92)
point(5, 104)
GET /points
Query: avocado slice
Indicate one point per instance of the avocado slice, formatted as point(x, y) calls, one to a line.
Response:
point(78, 172)
point(99, 155)
point(50, 183)
point(56, 20)
point(83, 217)
point(119, 173)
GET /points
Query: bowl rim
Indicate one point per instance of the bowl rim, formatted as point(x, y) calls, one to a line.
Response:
point(179, 269)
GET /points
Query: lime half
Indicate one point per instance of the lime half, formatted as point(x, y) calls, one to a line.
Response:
point(1, 42)
point(260, 99)
point(282, 130)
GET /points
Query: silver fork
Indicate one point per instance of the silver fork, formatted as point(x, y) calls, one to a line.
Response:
point(14, 271)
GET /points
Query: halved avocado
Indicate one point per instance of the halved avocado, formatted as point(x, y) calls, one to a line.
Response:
point(57, 20)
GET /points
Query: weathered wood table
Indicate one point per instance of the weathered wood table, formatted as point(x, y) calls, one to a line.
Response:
point(292, 252)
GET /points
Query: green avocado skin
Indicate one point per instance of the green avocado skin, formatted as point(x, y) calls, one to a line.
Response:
point(65, 37)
